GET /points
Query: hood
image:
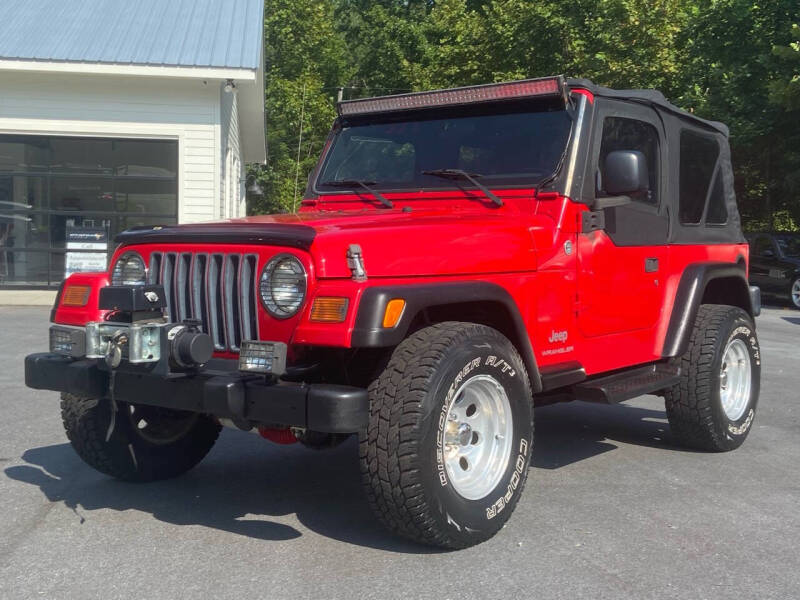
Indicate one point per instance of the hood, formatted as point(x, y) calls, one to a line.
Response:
point(393, 243)
point(422, 242)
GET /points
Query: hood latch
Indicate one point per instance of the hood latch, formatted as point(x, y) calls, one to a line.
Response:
point(355, 262)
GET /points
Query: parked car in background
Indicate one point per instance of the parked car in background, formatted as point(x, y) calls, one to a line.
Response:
point(775, 264)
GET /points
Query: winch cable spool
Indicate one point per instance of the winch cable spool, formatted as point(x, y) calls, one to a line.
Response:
point(189, 347)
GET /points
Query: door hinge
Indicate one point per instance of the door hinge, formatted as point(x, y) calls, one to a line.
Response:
point(592, 220)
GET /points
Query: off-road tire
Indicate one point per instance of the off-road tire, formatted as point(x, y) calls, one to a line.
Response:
point(126, 454)
point(694, 407)
point(404, 476)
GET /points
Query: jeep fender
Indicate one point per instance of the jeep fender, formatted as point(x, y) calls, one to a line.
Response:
point(80, 315)
point(714, 283)
point(370, 333)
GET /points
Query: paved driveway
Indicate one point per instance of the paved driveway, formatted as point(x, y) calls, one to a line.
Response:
point(612, 509)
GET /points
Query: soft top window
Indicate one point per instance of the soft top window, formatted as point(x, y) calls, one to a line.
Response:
point(698, 158)
point(623, 133)
point(717, 213)
point(513, 148)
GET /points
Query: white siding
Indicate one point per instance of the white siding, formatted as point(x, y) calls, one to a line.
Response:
point(106, 106)
point(232, 193)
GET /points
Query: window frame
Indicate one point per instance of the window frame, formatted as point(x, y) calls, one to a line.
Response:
point(635, 112)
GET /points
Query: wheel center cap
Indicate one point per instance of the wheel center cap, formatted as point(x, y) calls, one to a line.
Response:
point(464, 434)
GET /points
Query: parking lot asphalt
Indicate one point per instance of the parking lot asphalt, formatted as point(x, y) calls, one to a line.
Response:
point(612, 509)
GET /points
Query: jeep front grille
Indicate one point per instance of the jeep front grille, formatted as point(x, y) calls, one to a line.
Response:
point(219, 290)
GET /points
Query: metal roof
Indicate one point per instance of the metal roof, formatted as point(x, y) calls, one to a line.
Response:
point(180, 33)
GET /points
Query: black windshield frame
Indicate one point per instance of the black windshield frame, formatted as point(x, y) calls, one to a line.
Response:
point(459, 115)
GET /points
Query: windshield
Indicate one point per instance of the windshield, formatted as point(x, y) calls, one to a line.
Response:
point(502, 149)
point(790, 246)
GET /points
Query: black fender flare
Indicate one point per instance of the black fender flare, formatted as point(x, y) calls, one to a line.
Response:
point(692, 286)
point(370, 333)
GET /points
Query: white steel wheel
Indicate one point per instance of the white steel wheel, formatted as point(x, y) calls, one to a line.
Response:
point(478, 436)
point(735, 379)
point(795, 293)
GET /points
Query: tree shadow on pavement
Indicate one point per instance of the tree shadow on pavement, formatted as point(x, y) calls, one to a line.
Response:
point(245, 483)
point(239, 488)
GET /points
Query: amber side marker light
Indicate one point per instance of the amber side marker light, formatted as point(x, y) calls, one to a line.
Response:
point(329, 309)
point(76, 295)
point(394, 310)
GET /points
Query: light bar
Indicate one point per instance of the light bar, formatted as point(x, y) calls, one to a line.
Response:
point(512, 90)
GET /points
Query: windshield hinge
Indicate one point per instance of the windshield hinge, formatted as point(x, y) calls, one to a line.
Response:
point(592, 220)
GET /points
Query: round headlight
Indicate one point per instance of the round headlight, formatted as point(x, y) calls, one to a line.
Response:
point(129, 270)
point(283, 286)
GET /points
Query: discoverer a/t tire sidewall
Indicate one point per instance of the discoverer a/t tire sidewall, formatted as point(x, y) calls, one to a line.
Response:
point(694, 407)
point(401, 452)
point(477, 520)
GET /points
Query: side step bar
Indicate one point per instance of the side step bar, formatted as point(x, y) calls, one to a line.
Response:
point(628, 384)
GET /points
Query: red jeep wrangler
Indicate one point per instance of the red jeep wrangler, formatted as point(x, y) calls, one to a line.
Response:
point(460, 256)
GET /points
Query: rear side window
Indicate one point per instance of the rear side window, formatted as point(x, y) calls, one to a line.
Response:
point(699, 154)
point(717, 213)
point(621, 133)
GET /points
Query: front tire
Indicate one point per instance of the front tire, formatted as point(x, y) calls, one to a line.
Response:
point(714, 405)
point(144, 443)
point(447, 449)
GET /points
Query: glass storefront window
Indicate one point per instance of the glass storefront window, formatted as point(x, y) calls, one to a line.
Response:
point(145, 158)
point(146, 196)
point(58, 192)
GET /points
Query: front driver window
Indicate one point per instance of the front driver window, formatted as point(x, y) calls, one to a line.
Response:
point(631, 134)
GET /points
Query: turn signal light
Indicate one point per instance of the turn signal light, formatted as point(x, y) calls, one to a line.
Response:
point(76, 295)
point(394, 310)
point(329, 309)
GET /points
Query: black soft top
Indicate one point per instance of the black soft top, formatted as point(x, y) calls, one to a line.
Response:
point(653, 98)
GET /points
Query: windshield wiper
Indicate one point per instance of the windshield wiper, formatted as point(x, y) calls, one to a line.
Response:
point(459, 174)
point(364, 184)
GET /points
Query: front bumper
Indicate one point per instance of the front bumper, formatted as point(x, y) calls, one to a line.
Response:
point(216, 389)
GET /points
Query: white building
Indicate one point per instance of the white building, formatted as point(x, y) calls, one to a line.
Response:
point(115, 114)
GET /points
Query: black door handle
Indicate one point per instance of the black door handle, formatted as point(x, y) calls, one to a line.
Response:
point(650, 265)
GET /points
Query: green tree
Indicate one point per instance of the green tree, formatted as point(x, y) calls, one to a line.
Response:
point(305, 61)
point(785, 91)
point(729, 69)
point(737, 61)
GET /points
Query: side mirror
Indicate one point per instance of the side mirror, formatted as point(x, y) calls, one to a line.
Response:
point(625, 172)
